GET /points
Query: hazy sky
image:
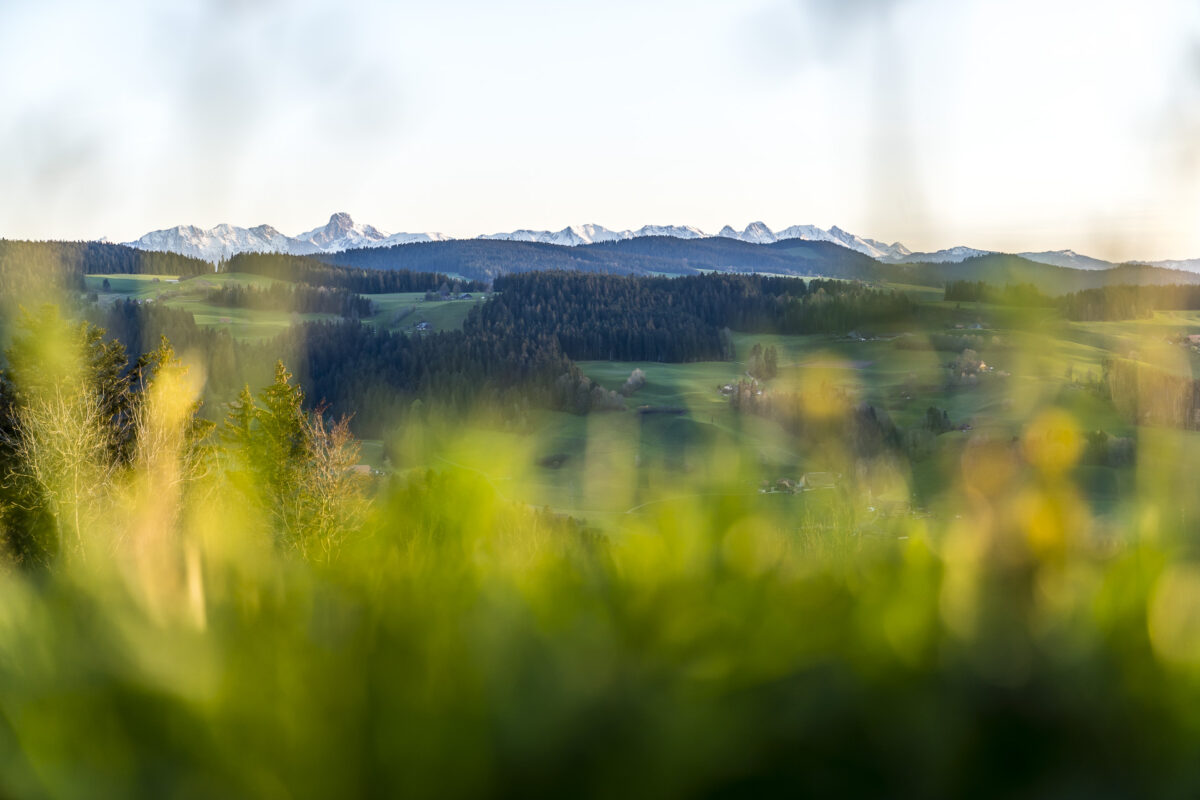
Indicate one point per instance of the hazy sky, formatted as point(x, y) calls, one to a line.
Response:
point(1011, 124)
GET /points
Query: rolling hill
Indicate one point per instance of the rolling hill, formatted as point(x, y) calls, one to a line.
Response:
point(1000, 269)
point(654, 255)
point(661, 255)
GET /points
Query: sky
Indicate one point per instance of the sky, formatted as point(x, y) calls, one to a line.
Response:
point(1010, 125)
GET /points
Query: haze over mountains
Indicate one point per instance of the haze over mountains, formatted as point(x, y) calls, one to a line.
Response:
point(342, 233)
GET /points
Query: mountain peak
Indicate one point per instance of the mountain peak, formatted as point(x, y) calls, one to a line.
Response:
point(1067, 258)
point(341, 221)
point(758, 233)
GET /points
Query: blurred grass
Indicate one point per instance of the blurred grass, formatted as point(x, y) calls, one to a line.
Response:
point(463, 645)
point(609, 605)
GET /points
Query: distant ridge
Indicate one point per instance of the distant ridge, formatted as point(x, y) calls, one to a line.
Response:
point(342, 233)
point(480, 259)
point(1069, 258)
point(484, 259)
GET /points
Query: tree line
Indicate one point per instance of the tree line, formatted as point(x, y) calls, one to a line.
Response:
point(311, 271)
point(599, 317)
point(1105, 303)
point(140, 328)
point(377, 375)
point(1011, 294)
point(1129, 302)
point(626, 318)
point(33, 268)
point(300, 298)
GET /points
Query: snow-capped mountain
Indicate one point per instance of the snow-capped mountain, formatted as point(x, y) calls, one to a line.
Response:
point(412, 238)
point(951, 255)
point(223, 241)
point(809, 233)
point(343, 233)
point(674, 231)
point(571, 236)
point(1056, 258)
point(759, 233)
point(1069, 258)
point(871, 247)
point(755, 233)
point(215, 243)
point(575, 235)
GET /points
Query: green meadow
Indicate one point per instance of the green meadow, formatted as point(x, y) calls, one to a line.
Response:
point(403, 311)
point(399, 311)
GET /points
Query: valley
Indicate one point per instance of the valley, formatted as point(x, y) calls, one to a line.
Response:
point(603, 466)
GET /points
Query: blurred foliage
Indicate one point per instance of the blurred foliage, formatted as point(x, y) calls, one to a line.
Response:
point(239, 613)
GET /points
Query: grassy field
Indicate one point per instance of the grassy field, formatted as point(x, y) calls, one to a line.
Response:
point(396, 311)
point(920, 293)
point(167, 287)
point(129, 285)
point(189, 295)
point(403, 311)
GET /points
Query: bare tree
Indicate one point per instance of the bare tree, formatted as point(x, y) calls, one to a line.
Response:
point(331, 496)
point(64, 448)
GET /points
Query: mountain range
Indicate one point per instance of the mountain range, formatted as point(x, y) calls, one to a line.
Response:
point(342, 233)
point(225, 241)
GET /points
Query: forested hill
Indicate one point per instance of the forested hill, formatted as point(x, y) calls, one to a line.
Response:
point(309, 270)
point(484, 260)
point(1000, 269)
point(83, 258)
point(791, 257)
point(30, 270)
point(663, 319)
point(481, 259)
